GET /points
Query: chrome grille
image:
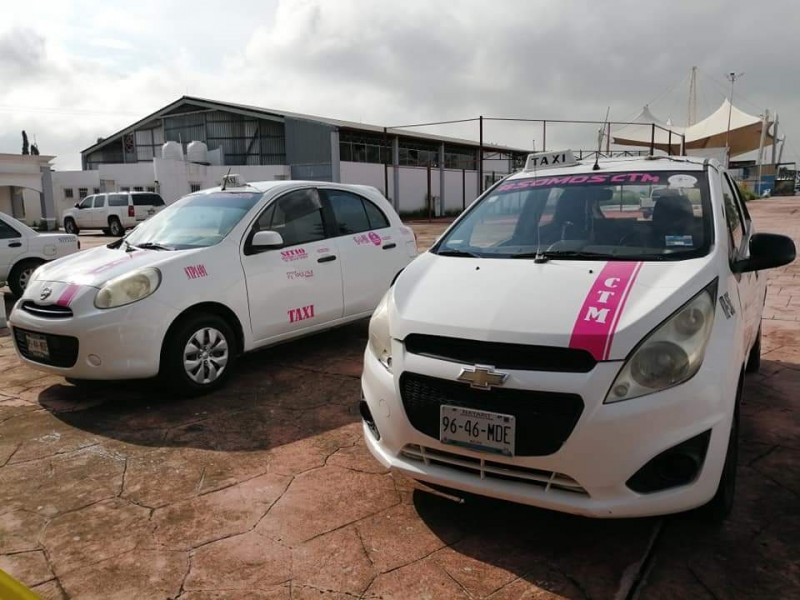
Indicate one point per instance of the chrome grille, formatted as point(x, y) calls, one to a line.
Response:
point(489, 469)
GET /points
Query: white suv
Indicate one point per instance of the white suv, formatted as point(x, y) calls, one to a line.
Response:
point(113, 212)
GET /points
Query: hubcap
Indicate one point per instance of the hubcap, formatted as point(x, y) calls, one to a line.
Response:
point(205, 355)
point(24, 277)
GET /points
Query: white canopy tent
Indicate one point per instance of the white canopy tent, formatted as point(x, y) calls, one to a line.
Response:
point(712, 133)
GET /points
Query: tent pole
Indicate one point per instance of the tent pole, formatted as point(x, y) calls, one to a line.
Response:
point(764, 126)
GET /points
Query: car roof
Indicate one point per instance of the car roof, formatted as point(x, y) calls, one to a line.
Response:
point(266, 186)
point(632, 163)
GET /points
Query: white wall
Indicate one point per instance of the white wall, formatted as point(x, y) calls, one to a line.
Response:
point(5, 199)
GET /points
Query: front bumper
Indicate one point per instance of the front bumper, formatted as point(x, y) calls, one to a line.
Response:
point(587, 475)
point(118, 343)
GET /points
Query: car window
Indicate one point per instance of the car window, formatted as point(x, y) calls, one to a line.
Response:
point(733, 215)
point(595, 216)
point(86, 202)
point(7, 232)
point(377, 220)
point(99, 201)
point(118, 199)
point(297, 216)
point(351, 216)
point(147, 200)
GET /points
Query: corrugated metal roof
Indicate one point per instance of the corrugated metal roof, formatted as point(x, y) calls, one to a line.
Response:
point(279, 115)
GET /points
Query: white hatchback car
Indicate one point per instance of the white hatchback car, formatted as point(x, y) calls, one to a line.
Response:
point(216, 273)
point(23, 250)
point(555, 350)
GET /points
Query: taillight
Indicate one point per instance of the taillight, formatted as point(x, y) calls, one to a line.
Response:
point(130, 211)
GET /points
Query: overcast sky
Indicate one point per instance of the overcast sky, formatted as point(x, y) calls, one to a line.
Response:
point(76, 70)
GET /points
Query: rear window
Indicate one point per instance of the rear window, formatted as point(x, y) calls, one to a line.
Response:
point(147, 200)
point(118, 199)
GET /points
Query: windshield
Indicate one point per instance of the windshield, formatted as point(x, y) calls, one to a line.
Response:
point(196, 221)
point(659, 215)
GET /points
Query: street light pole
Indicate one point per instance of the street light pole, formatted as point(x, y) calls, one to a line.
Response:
point(732, 77)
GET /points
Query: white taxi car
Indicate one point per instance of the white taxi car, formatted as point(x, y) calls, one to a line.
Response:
point(557, 350)
point(23, 250)
point(215, 274)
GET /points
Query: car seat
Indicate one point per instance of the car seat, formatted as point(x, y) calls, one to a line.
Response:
point(672, 217)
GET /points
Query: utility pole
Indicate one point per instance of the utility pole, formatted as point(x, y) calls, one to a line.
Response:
point(732, 77)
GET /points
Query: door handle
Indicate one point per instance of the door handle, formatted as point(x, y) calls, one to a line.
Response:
point(326, 259)
point(389, 246)
point(14, 244)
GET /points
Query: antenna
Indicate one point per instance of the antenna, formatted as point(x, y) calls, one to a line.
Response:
point(225, 179)
point(600, 134)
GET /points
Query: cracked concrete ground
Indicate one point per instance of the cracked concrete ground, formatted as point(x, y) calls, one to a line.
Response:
point(265, 490)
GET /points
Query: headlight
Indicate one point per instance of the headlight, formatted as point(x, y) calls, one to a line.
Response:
point(128, 288)
point(380, 342)
point(671, 354)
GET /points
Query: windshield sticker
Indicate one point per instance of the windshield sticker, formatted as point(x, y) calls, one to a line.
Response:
point(301, 314)
point(727, 305)
point(308, 274)
point(68, 295)
point(607, 178)
point(682, 241)
point(681, 180)
point(293, 254)
point(599, 316)
point(195, 271)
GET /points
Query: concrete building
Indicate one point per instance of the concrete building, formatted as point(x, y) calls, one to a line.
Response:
point(26, 187)
point(193, 142)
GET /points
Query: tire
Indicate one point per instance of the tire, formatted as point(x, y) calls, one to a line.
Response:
point(184, 369)
point(719, 507)
point(106, 231)
point(754, 358)
point(21, 274)
point(70, 226)
point(115, 228)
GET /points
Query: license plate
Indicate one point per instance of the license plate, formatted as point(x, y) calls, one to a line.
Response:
point(477, 429)
point(37, 345)
point(151, 212)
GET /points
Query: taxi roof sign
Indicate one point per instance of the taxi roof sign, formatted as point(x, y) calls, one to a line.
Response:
point(549, 160)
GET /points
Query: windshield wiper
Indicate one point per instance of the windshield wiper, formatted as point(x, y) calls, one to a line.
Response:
point(546, 255)
point(457, 253)
point(152, 246)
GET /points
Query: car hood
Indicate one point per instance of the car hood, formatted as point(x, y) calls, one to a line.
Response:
point(96, 266)
point(605, 308)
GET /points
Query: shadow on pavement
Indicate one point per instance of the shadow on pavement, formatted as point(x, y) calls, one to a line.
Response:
point(276, 396)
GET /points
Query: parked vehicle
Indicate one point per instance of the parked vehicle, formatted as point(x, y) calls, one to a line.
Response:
point(113, 213)
point(215, 274)
point(553, 351)
point(23, 250)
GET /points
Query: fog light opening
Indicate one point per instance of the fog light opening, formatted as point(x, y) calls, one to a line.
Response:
point(674, 467)
point(366, 415)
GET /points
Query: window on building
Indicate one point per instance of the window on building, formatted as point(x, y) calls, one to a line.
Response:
point(138, 188)
point(68, 193)
point(96, 190)
point(125, 188)
point(83, 192)
point(364, 147)
point(194, 187)
point(151, 188)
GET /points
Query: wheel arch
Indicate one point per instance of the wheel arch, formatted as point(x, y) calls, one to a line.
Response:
point(214, 308)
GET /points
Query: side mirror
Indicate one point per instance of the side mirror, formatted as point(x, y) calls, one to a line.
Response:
point(77, 205)
point(767, 251)
point(262, 240)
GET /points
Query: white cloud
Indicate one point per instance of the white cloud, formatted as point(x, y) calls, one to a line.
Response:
point(102, 65)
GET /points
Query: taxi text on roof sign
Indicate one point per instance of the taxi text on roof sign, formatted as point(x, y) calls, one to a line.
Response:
point(541, 160)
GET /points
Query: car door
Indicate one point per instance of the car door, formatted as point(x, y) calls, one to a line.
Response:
point(12, 245)
point(297, 287)
point(83, 216)
point(370, 249)
point(97, 216)
point(746, 283)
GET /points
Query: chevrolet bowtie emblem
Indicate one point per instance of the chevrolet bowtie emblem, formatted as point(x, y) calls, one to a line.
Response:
point(45, 294)
point(482, 377)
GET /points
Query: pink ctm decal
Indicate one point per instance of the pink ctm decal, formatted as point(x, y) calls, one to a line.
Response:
point(68, 295)
point(599, 316)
